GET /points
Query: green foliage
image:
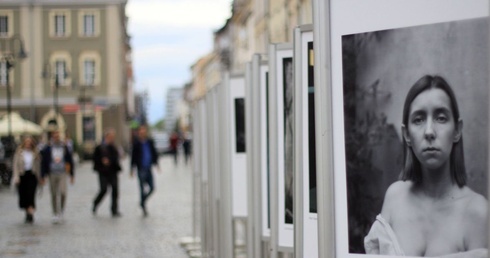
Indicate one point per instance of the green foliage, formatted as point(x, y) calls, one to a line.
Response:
point(159, 125)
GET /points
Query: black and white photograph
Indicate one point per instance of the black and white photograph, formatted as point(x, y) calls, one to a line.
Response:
point(267, 170)
point(411, 96)
point(311, 131)
point(240, 124)
point(288, 138)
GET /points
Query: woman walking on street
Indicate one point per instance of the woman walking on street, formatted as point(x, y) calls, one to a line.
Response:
point(26, 169)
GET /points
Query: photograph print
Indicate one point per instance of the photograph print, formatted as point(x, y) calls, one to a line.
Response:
point(288, 138)
point(311, 131)
point(240, 125)
point(416, 139)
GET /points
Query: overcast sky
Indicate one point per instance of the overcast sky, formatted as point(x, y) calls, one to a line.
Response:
point(168, 36)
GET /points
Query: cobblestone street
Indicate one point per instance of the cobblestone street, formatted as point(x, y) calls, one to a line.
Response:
point(85, 235)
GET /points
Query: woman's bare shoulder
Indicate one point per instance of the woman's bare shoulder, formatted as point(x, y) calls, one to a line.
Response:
point(476, 220)
point(394, 196)
point(477, 205)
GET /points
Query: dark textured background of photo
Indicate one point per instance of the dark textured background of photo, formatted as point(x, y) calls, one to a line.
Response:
point(378, 70)
point(287, 65)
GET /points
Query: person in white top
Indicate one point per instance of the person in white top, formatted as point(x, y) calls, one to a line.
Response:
point(26, 174)
point(431, 212)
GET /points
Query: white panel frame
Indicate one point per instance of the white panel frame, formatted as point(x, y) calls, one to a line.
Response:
point(332, 19)
point(250, 150)
point(264, 143)
point(225, 158)
point(285, 232)
point(238, 160)
point(306, 223)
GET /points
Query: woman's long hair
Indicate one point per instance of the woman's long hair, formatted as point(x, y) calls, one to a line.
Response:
point(412, 167)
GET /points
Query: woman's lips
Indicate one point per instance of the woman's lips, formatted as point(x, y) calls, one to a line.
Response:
point(431, 149)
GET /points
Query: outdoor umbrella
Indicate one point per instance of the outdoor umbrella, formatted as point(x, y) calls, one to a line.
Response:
point(19, 125)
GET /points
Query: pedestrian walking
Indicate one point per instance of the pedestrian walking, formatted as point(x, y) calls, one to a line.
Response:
point(57, 164)
point(143, 157)
point(26, 175)
point(106, 163)
point(174, 145)
point(186, 144)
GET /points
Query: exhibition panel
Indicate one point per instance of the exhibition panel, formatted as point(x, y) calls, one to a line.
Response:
point(376, 74)
point(306, 226)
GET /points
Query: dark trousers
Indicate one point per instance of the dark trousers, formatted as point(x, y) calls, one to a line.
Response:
point(27, 190)
point(146, 179)
point(106, 179)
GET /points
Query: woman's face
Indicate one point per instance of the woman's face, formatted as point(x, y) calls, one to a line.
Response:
point(28, 143)
point(431, 129)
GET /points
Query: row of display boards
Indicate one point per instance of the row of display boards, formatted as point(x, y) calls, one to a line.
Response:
point(303, 145)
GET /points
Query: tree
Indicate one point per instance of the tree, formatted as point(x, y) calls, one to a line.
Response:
point(159, 125)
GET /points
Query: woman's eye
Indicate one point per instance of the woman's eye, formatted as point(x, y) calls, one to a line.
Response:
point(417, 120)
point(441, 118)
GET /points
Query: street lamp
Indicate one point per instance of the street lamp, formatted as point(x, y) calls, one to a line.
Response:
point(9, 58)
point(59, 75)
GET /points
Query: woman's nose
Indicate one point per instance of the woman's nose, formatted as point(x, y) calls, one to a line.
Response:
point(429, 133)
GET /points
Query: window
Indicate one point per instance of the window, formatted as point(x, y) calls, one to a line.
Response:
point(4, 25)
point(88, 126)
point(88, 25)
point(59, 25)
point(60, 72)
point(89, 72)
point(89, 64)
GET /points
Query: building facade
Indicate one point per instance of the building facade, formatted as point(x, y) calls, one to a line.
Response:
point(174, 99)
point(252, 26)
point(78, 73)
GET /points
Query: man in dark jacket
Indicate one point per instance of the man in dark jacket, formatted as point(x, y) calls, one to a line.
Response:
point(106, 163)
point(143, 157)
point(57, 163)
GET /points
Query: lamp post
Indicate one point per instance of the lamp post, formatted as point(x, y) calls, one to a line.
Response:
point(48, 73)
point(8, 58)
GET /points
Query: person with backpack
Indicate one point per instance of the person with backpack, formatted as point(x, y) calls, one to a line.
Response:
point(57, 165)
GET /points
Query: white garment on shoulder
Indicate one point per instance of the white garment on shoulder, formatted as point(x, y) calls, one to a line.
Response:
point(28, 157)
point(381, 239)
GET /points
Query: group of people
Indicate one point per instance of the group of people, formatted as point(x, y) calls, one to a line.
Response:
point(175, 140)
point(53, 162)
point(31, 166)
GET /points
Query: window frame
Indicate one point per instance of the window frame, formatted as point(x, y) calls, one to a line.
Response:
point(90, 56)
point(60, 56)
point(95, 23)
point(53, 23)
point(9, 14)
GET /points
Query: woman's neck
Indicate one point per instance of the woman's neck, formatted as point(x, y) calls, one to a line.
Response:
point(437, 183)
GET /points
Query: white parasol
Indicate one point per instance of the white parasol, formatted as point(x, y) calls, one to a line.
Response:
point(18, 125)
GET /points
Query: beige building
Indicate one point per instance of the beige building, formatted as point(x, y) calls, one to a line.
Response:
point(252, 27)
point(78, 73)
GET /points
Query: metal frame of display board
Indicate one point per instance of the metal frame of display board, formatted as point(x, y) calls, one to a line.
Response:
point(211, 191)
point(333, 21)
point(238, 151)
point(276, 51)
point(196, 181)
point(225, 163)
point(256, 133)
point(205, 240)
point(306, 224)
point(261, 78)
point(250, 244)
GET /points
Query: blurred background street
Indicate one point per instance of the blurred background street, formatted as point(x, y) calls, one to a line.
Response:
point(85, 235)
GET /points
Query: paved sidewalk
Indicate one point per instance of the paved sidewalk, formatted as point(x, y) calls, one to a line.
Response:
point(85, 235)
